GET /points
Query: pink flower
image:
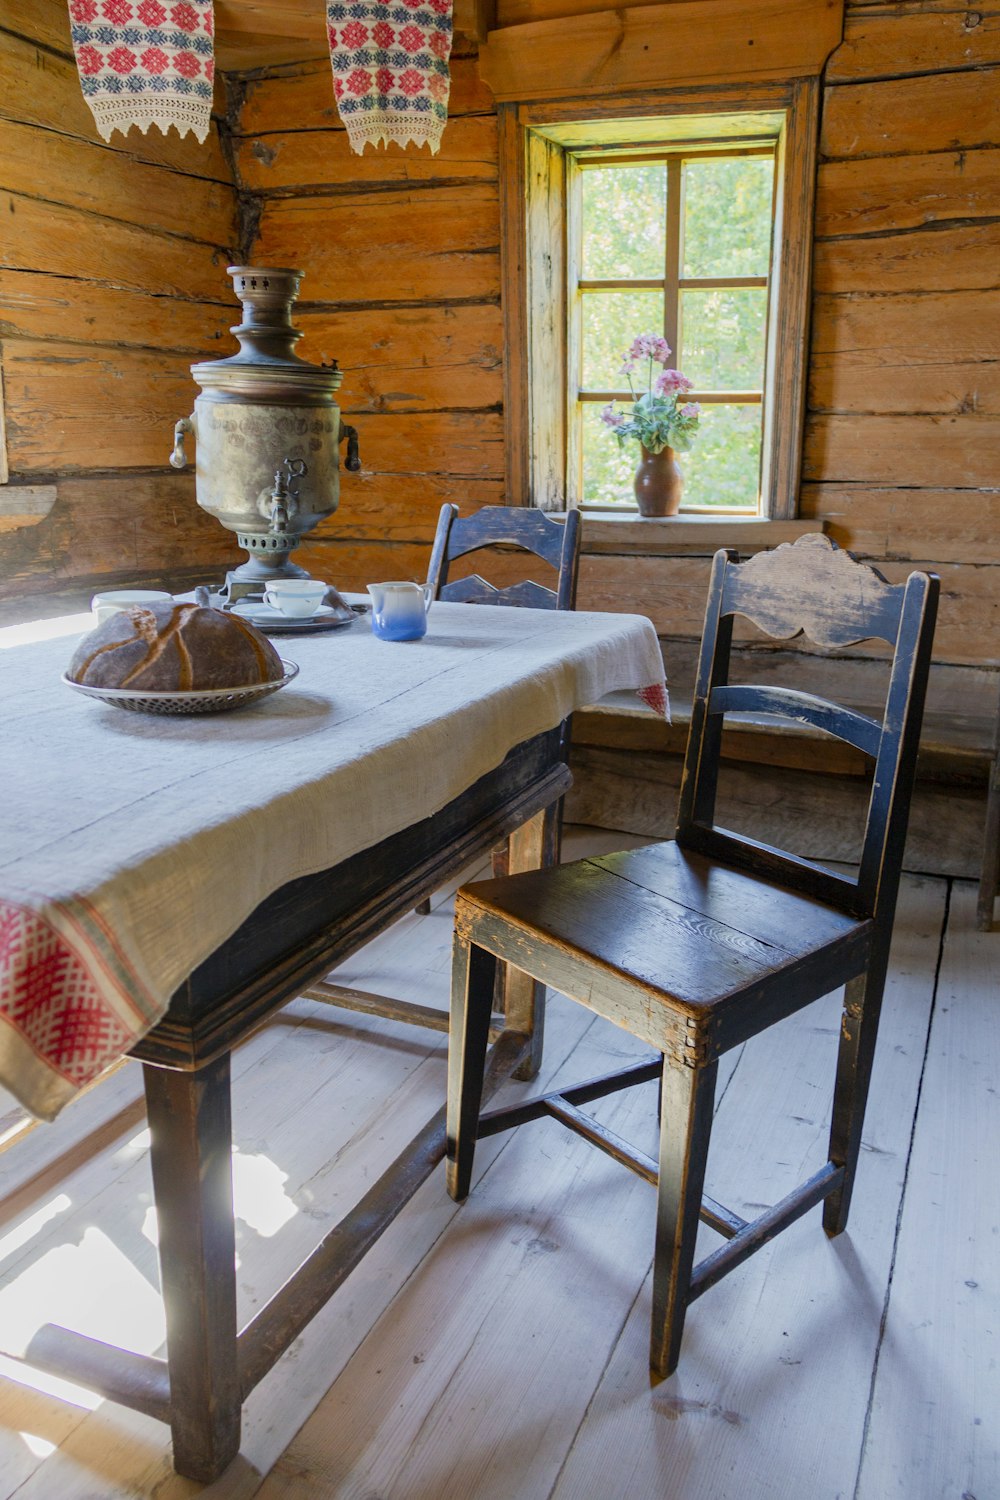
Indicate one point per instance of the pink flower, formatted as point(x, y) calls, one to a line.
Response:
point(122, 60)
point(628, 365)
point(152, 13)
point(185, 16)
point(187, 63)
point(412, 38)
point(384, 34)
point(360, 81)
point(154, 60)
point(671, 383)
point(411, 82)
point(354, 34)
point(385, 79)
point(693, 409)
point(83, 10)
point(117, 11)
point(650, 346)
point(610, 417)
point(90, 60)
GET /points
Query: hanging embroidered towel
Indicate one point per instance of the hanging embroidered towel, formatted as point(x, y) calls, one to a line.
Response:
point(143, 62)
point(390, 69)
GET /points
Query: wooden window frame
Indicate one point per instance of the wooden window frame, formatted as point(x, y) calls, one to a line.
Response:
point(534, 215)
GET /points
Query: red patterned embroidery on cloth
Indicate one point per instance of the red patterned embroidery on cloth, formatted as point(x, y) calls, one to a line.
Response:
point(656, 697)
point(390, 69)
point(51, 1000)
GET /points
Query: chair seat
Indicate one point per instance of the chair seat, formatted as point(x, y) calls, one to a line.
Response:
point(698, 936)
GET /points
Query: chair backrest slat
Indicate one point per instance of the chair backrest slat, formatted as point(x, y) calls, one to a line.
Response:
point(555, 542)
point(812, 588)
point(804, 708)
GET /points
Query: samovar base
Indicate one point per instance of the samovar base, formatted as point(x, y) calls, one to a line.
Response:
point(269, 559)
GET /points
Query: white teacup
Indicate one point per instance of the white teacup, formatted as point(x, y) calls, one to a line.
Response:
point(298, 598)
point(106, 604)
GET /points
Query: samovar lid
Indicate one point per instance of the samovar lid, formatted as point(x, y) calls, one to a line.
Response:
point(267, 367)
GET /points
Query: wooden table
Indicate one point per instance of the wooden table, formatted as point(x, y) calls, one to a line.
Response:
point(346, 803)
point(297, 935)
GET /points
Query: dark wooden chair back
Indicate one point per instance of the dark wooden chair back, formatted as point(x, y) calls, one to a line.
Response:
point(813, 588)
point(555, 542)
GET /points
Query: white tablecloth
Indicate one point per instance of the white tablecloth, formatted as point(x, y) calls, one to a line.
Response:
point(133, 845)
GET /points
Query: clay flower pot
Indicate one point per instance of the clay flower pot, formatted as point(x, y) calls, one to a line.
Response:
point(658, 483)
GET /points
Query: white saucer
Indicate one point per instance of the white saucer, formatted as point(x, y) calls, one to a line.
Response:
point(273, 622)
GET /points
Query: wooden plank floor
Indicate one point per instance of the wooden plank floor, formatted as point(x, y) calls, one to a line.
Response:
point(499, 1351)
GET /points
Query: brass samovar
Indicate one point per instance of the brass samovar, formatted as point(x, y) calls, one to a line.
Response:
point(268, 430)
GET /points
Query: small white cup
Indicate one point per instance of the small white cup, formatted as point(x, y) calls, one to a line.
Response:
point(104, 605)
point(297, 598)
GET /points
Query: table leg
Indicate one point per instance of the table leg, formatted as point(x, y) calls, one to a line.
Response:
point(533, 846)
point(191, 1129)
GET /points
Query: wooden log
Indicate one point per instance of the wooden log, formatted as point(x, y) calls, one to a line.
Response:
point(62, 169)
point(396, 246)
point(942, 112)
point(438, 442)
point(906, 192)
point(686, 41)
point(70, 407)
point(39, 87)
point(116, 526)
point(410, 358)
point(908, 450)
point(963, 256)
point(323, 158)
point(950, 526)
point(305, 96)
point(930, 36)
point(36, 306)
point(69, 242)
point(931, 353)
point(378, 507)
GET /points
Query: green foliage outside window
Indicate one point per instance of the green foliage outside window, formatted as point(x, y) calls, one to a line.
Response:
point(725, 232)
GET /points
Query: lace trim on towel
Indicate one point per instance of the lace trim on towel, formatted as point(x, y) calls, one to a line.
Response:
point(183, 114)
point(401, 129)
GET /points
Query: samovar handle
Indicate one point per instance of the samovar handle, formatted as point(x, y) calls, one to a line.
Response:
point(178, 458)
point(353, 459)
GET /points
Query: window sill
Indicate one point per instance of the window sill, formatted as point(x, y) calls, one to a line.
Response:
point(685, 536)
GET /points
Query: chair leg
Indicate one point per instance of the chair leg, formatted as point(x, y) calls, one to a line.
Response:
point(688, 1097)
point(858, 1034)
point(473, 977)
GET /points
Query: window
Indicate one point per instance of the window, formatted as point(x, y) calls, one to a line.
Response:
point(688, 210)
point(676, 242)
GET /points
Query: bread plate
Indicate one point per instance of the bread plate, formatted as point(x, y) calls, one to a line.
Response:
point(195, 701)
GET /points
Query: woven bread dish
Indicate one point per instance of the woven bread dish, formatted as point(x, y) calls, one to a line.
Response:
point(177, 658)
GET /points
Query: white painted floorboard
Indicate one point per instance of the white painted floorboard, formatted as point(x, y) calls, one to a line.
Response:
point(498, 1351)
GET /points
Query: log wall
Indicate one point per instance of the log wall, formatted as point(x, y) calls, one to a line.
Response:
point(902, 452)
point(112, 280)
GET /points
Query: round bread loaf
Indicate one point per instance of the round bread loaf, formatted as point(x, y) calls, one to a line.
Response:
point(162, 648)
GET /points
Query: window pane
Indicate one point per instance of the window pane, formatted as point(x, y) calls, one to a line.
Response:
point(624, 221)
point(723, 337)
point(723, 465)
point(611, 320)
point(607, 472)
point(727, 216)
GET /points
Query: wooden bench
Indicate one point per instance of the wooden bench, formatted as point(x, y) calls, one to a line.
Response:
point(626, 764)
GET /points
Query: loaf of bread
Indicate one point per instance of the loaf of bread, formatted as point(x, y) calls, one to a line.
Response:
point(171, 647)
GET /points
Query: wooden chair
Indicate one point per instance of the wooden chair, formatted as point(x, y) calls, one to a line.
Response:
point(557, 543)
point(697, 944)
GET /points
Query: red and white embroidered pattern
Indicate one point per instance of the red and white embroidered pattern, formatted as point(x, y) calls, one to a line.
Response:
point(655, 697)
point(52, 1001)
point(145, 62)
point(390, 69)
